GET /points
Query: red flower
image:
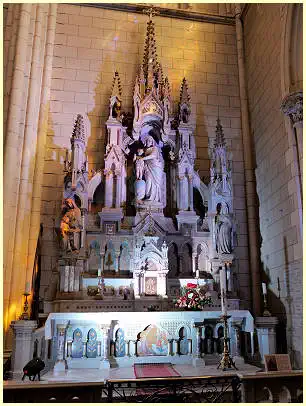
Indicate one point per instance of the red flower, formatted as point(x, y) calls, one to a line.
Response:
point(191, 285)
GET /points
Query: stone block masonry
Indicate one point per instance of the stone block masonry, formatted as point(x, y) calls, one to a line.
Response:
point(276, 186)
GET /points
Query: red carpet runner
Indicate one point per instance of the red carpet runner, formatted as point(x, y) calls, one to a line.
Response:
point(154, 371)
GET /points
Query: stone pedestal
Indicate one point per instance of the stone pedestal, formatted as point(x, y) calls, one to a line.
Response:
point(266, 335)
point(22, 351)
point(61, 363)
point(236, 344)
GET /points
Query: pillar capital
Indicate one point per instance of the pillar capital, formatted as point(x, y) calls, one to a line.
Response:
point(292, 106)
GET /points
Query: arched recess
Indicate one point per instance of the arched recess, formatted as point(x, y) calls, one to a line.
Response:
point(291, 57)
point(186, 270)
point(173, 260)
point(284, 395)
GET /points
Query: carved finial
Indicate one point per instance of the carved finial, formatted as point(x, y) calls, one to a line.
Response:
point(116, 88)
point(151, 12)
point(115, 99)
point(150, 66)
point(184, 107)
point(78, 132)
point(167, 90)
point(219, 140)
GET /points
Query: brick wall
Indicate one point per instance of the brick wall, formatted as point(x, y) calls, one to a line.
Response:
point(90, 45)
point(281, 250)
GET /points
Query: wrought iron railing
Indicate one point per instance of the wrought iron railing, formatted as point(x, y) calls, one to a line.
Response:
point(232, 388)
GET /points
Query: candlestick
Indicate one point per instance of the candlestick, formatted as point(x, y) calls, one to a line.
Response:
point(25, 315)
point(226, 361)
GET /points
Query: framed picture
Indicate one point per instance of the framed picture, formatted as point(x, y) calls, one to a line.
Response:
point(277, 362)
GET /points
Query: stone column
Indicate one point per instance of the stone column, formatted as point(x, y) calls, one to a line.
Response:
point(236, 344)
point(14, 138)
point(109, 189)
point(229, 277)
point(71, 278)
point(189, 346)
point(136, 284)
point(292, 107)
point(249, 169)
point(181, 262)
point(194, 270)
point(84, 349)
point(69, 349)
point(118, 191)
point(127, 346)
point(66, 278)
point(22, 351)
point(12, 153)
point(170, 341)
point(83, 232)
point(60, 364)
point(132, 348)
point(197, 360)
point(190, 192)
point(104, 363)
point(175, 346)
point(28, 147)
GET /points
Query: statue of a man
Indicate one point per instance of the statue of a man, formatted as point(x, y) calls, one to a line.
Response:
point(70, 224)
point(153, 170)
point(223, 233)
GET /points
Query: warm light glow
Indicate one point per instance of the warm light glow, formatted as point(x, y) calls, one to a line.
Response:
point(9, 316)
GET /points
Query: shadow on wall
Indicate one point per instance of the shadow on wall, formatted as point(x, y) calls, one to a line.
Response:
point(280, 305)
point(51, 208)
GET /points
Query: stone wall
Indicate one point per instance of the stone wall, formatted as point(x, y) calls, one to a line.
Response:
point(281, 249)
point(90, 44)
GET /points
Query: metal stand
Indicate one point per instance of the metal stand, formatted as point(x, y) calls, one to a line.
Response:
point(226, 361)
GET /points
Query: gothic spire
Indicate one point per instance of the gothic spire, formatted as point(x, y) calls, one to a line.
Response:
point(184, 106)
point(184, 95)
point(150, 64)
point(78, 132)
point(116, 87)
point(219, 140)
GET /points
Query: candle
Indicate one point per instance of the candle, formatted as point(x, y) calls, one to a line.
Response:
point(27, 287)
point(99, 272)
point(223, 291)
point(264, 288)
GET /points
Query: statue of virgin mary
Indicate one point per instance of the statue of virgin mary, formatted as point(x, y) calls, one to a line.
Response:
point(153, 171)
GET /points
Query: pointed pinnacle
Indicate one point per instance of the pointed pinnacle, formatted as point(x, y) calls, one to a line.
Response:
point(116, 88)
point(78, 132)
point(219, 134)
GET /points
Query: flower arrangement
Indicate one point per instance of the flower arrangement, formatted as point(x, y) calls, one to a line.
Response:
point(193, 297)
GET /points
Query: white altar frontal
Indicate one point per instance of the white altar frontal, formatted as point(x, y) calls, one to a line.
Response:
point(104, 340)
point(137, 230)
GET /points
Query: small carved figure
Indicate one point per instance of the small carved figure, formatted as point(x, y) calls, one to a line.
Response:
point(116, 109)
point(139, 163)
point(70, 224)
point(185, 114)
point(223, 231)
